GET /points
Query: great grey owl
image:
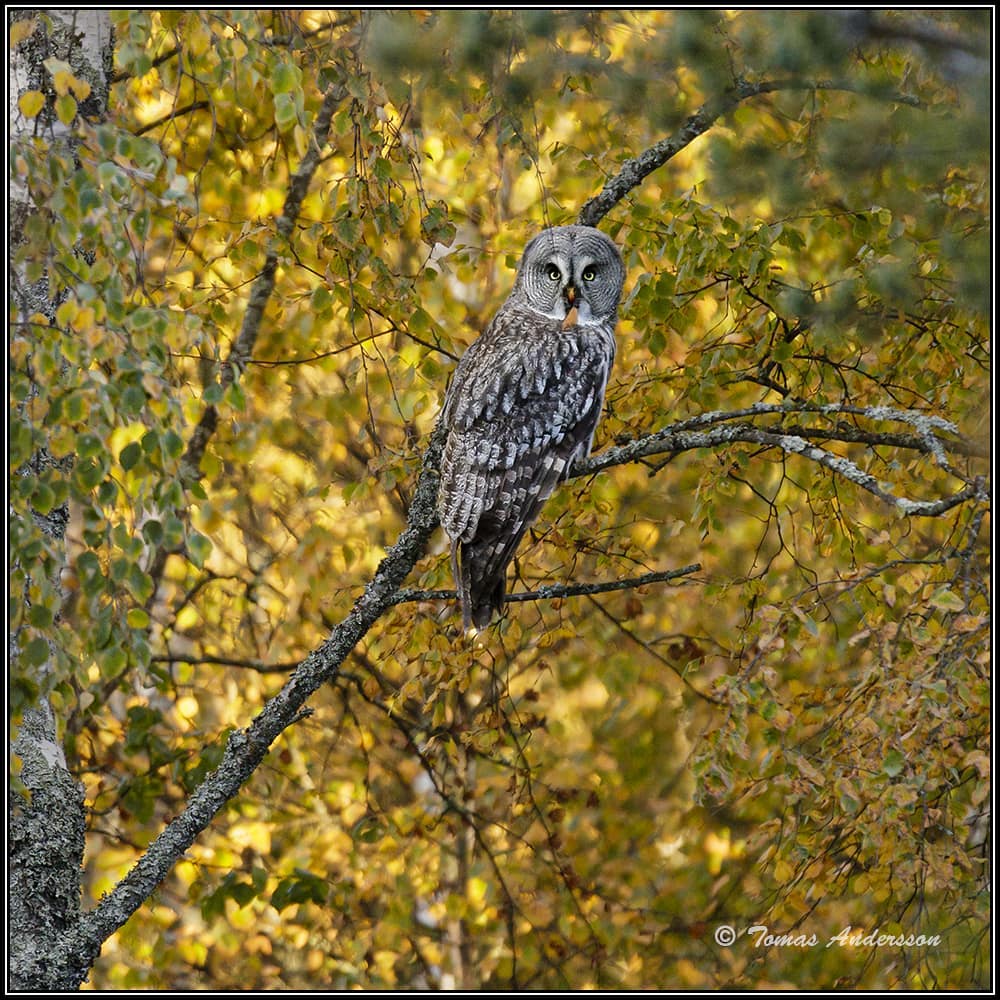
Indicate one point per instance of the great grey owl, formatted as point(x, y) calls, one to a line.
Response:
point(523, 405)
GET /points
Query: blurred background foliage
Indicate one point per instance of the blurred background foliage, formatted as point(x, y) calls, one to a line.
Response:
point(794, 737)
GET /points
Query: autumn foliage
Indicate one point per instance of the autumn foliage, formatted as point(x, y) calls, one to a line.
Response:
point(262, 264)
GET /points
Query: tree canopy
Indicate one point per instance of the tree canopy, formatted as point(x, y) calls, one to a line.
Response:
point(742, 680)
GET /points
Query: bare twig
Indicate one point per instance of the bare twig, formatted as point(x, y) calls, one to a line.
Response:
point(659, 657)
point(555, 591)
point(158, 61)
point(258, 666)
point(172, 114)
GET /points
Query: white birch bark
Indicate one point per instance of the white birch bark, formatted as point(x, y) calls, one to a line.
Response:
point(46, 807)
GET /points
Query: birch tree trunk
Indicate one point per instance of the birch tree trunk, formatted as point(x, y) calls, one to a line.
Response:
point(46, 818)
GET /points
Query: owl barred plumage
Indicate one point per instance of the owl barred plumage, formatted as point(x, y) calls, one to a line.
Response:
point(523, 405)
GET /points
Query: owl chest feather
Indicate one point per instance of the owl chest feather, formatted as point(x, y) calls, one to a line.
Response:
point(522, 407)
point(525, 363)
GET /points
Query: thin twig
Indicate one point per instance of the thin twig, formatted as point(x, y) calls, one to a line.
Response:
point(172, 114)
point(555, 591)
point(259, 666)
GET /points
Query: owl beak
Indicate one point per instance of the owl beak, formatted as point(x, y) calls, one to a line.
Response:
point(571, 297)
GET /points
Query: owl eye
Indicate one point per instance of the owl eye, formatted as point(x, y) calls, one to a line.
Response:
point(554, 273)
point(589, 274)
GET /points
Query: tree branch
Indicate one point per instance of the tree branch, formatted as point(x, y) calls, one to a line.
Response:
point(46, 824)
point(556, 591)
point(672, 441)
point(922, 31)
point(263, 287)
point(927, 425)
point(633, 172)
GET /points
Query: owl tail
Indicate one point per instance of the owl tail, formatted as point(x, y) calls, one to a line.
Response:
point(480, 585)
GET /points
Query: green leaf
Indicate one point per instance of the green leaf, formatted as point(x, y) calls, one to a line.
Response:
point(133, 399)
point(137, 618)
point(285, 113)
point(152, 531)
point(130, 456)
point(139, 583)
point(66, 109)
point(44, 498)
point(111, 661)
point(40, 616)
point(893, 763)
point(20, 443)
point(302, 887)
point(36, 652)
point(173, 531)
point(285, 78)
point(236, 398)
point(212, 395)
point(199, 548)
point(107, 492)
point(173, 444)
point(88, 473)
point(88, 445)
point(946, 599)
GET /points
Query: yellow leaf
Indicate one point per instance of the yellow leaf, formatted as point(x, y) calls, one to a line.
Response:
point(475, 892)
point(199, 40)
point(20, 30)
point(66, 312)
point(968, 623)
point(31, 102)
point(79, 87)
point(83, 318)
point(253, 834)
point(62, 81)
point(242, 918)
point(137, 618)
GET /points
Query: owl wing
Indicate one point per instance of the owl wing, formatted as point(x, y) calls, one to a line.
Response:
point(522, 407)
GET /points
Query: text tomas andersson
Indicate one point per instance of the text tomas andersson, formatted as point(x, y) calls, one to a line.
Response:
point(846, 939)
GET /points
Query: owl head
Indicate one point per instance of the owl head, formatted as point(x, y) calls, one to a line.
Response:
point(568, 266)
